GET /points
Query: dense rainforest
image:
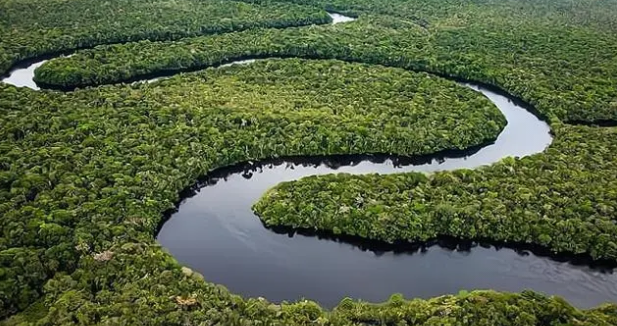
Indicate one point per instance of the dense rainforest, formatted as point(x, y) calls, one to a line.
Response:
point(86, 176)
point(563, 71)
point(188, 125)
point(562, 200)
point(35, 28)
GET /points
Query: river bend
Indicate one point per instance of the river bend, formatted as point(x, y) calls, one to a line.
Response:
point(215, 232)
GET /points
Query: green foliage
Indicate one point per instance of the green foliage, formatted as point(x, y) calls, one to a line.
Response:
point(485, 308)
point(564, 199)
point(32, 314)
point(547, 66)
point(35, 28)
point(86, 176)
point(100, 166)
point(21, 273)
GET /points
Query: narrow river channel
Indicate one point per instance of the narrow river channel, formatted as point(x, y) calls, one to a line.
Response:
point(215, 232)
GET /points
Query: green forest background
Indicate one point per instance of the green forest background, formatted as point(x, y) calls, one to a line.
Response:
point(86, 176)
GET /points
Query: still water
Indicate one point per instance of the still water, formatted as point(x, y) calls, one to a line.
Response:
point(216, 233)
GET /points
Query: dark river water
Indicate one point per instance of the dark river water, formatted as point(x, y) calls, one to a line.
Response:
point(22, 74)
point(215, 232)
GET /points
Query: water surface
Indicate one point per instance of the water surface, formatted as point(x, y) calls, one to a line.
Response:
point(22, 75)
point(216, 233)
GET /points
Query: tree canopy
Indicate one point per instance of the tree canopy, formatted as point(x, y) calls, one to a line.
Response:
point(86, 176)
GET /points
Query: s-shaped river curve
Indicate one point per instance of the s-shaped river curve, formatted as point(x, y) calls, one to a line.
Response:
point(215, 232)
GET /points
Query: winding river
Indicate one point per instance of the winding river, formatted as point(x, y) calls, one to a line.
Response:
point(215, 232)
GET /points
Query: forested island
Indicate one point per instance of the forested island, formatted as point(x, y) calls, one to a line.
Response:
point(138, 102)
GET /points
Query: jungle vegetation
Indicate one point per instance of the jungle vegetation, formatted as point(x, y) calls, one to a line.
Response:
point(562, 199)
point(91, 152)
point(86, 176)
point(566, 73)
point(32, 28)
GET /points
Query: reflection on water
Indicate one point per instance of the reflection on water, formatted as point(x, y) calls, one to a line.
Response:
point(21, 76)
point(216, 233)
point(338, 18)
